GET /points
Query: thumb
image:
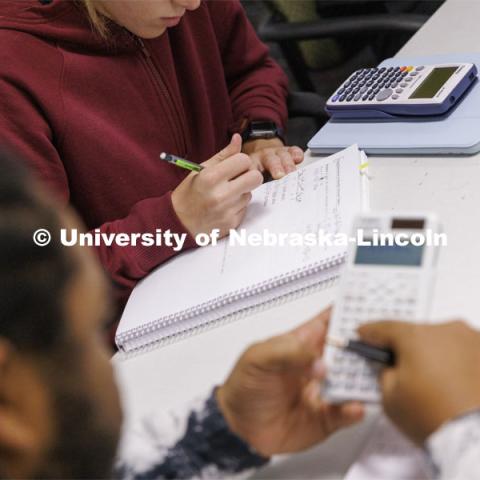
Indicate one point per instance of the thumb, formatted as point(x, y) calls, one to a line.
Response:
point(313, 333)
point(234, 147)
point(281, 354)
point(386, 334)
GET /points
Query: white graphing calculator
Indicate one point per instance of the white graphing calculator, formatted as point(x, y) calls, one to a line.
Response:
point(379, 282)
point(412, 91)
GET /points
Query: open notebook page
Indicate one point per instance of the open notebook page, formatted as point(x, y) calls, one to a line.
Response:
point(323, 195)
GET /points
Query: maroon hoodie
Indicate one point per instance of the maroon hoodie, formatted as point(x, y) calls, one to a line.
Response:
point(91, 117)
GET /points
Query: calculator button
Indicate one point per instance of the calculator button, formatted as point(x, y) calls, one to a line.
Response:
point(384, 94)
point(403, 85)
point(420, 68)
point(395, 97)
point(335, 98)
point(399, 90)
point(342, 98)
point(408, 79)
point(413, 74)
point(350, 98)
point(358, 97)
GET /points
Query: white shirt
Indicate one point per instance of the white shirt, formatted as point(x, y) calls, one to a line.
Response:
point(455, 448)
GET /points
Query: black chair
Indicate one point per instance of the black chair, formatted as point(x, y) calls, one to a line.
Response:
point(382, 26)
point(307, 105)
point(373, 23)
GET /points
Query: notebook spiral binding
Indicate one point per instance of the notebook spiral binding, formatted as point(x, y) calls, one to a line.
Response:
point(154, 334)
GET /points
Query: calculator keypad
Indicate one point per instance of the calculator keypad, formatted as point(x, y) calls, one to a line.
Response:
point(367, 298)
point(376, 84)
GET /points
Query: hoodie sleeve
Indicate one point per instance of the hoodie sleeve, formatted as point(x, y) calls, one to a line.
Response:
point(258, 87)
point(26, 130)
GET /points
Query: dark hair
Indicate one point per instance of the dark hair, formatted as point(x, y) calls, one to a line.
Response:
point(32, 278)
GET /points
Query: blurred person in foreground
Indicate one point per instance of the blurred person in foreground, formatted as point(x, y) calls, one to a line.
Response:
point(60, 414)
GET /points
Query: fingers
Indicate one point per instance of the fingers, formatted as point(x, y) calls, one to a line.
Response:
point(238, 217)
point(242, 204)
point(297, 154)
point(287, 161)
point(244, 201)
point(280, 161)
point(327, 418)
point(331, 417)
point(273, 164)
point(386, 333)
point(245, 183)
point(228, 169)
point(233, 148)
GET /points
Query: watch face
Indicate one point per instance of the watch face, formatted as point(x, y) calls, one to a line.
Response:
point(263, 130)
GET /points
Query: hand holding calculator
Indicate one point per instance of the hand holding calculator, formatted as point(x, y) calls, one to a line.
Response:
point(380, 282)
point(403, 91)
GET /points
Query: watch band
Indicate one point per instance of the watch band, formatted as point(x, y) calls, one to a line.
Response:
point(262, 130)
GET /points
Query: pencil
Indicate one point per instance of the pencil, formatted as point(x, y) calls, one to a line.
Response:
point(365, 350)
point(181, 162)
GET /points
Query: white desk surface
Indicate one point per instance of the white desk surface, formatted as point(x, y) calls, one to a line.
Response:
point(449, 186)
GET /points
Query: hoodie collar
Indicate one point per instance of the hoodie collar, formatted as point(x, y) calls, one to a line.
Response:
point(63, 22)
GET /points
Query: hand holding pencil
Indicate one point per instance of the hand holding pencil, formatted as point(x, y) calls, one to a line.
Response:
point(217, 197)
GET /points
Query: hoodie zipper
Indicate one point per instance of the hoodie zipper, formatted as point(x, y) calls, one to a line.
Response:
point(179, 132)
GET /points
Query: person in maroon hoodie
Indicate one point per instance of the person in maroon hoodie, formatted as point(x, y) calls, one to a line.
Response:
point(92, 92)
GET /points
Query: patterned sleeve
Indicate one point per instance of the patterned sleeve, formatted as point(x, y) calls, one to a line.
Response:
point(206, 448)
point(455, 449)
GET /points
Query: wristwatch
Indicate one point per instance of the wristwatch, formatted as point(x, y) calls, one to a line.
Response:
point(262, 130)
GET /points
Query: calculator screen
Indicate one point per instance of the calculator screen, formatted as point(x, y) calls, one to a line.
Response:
point(409, 255)
point(434, 82)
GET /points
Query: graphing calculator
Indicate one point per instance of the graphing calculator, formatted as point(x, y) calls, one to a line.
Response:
point(406, 91)
point(380, 281)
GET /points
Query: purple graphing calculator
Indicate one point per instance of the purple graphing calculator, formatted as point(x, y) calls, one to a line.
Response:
point(407, 91)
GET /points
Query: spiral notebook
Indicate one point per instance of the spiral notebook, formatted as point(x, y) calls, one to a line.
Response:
point(275, 255)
